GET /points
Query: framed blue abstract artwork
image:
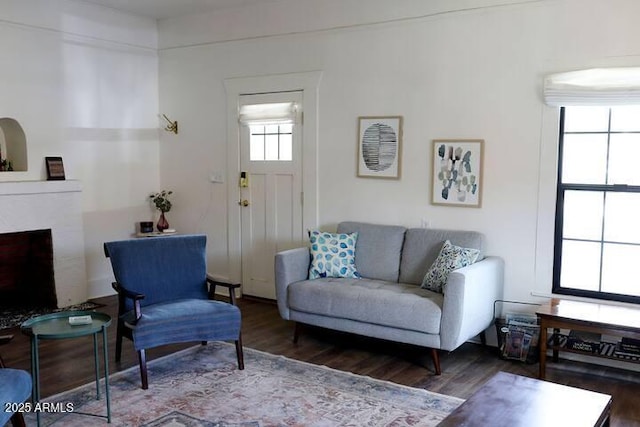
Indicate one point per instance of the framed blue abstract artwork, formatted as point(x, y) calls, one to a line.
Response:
point(457, 172)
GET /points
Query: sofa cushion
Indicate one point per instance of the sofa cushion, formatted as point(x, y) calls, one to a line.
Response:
point(422, 246)
point(378, 249)
point(332, 254)
point(451, 257)
point(371, 301)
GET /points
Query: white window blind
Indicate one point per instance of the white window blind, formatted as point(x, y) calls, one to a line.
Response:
point(268, 114)
point(596, 86)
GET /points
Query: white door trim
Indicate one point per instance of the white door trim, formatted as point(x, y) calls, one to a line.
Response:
point(309, 84)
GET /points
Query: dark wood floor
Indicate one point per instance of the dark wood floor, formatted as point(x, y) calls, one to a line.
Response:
point(69, 363)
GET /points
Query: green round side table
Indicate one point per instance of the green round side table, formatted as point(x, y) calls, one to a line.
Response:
point(56, 326)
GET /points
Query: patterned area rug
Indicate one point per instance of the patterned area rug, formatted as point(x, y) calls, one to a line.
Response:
point(201, 386)
point(10, 317)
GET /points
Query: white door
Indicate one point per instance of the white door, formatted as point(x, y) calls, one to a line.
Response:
point(270, 187)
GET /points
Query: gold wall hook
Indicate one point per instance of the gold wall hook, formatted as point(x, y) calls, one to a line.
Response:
point(172, 126)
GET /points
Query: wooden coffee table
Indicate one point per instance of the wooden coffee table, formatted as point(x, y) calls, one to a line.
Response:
point(511, 400)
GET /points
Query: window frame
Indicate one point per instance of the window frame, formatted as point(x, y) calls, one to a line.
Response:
point(561, 188)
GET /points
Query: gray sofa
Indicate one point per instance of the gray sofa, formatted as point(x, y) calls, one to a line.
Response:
point(387, 302)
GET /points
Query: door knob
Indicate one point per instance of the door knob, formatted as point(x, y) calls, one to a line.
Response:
point(244, 202)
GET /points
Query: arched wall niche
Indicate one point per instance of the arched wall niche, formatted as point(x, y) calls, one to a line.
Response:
point(13, 145)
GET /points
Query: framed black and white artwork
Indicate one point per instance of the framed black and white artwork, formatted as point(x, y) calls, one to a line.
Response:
point(379, 147)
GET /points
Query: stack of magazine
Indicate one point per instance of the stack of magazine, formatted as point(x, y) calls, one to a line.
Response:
point(521, 336)
point(628, 347)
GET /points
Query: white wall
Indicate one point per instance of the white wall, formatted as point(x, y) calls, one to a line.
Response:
point(474, 73)
point(83, 83)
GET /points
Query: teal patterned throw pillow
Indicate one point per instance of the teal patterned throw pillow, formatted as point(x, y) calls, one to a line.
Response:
point(332, 255)
point(451, 257)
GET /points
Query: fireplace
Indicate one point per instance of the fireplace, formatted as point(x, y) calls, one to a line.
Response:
point(26, 270)
point(49, 212)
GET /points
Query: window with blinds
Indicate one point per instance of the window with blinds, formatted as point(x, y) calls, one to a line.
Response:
point(597, 236)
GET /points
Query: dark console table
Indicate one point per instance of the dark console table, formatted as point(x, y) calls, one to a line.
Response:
point(583, 316)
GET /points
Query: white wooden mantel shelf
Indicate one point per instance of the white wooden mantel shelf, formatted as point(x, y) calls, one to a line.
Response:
point(39, 187)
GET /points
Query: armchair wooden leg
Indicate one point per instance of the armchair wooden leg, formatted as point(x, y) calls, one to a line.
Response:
point(483, 338)
point(239, 353)
point(143, 369)
point(119, 341)
point(296, 332)
point(17, 420)
point(436, 361)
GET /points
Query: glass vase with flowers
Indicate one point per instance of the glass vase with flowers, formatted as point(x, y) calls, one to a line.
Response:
point(163, 204)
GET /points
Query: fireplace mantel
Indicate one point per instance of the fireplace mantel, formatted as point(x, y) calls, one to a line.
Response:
point(38, 187)
point(55, 205)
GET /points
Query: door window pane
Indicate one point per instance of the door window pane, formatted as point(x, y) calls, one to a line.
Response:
point(583, 215)
point(286, 147)
point(584, 159)
point(271, 142)
point(256, 147)
point(286, 128)
point(580, 265)
point(271, 129)
point(271, 147)
point(622, 214)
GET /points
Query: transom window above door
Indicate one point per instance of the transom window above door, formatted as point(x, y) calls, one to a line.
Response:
point(270, 130)
point(271, 142)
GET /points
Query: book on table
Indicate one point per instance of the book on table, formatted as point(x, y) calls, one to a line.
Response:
point(628, 347)
point(630, 343)
point(583, 341)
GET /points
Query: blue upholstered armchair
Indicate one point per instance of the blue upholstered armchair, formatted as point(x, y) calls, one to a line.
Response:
point(165, 296)
point(15, 388)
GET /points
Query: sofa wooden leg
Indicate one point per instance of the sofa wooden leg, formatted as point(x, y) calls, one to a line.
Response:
point(436, 361)
point(296, 332)
point(143, 369)
point(119, 341)
point(483, 338)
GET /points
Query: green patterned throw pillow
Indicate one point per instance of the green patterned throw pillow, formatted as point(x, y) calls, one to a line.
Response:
point(332, 255)
point(451, 257)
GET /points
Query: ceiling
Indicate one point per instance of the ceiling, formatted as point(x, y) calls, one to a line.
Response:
point(161, 9)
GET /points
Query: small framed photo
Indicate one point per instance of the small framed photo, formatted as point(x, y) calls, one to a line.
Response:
point(456, 178)
point(379, 147)
point(55, 168)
